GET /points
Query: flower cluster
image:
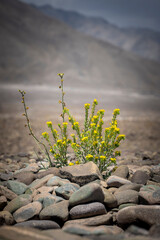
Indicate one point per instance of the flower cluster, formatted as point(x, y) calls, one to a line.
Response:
point(91, 143)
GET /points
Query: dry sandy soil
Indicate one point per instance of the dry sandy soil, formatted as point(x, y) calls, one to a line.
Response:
point(139, 119)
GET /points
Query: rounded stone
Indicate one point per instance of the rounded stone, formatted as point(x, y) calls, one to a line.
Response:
point(25, 177)
point(110, 200)
point(40, 224)
point(18, 202)
point(141, 213)
point(128, 196)
point(122, 171)
point(66, 190)
point(115, 181)
point(27, 212)
point(88, 193)
point(17, 187)
point(87, 210)
point(150, 194)
point(140, 177)
point(6, 217)
point(57, 210)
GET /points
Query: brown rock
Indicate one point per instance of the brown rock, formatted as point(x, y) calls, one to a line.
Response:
point(81, 174)
point(6, 217)
point(121, 171)
point(115, 181)
point(140, 177)
point(19, 233)
point(58, 210)
point(53, 170)
point(98, 230)
point(7, 193)
point(110, 200)
point(147, 214)
point(25, 177)
point(93, 221)
point(3, 202)
point(40, 182)
point(127, 196)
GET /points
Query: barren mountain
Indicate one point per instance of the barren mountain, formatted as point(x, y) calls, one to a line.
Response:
point(35, 47)
point(144, 42)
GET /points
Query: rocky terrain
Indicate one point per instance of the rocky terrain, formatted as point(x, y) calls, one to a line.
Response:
point(76, 202)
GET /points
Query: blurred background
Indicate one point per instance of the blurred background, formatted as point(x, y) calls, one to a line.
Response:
point(107, 49)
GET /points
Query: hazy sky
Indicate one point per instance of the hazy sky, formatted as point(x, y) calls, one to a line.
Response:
point(139, 13)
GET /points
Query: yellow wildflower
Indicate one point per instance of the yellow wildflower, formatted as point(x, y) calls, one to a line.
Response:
point(113, 159)
point(116, 111)
point(84, 139)
point(103, 158)
point(95, 101)
point(86, 105)
point(89, 157)
point(65, 124)
point(101, 111)
point(45, 134)
point(76, 124)
point(49, 124)
point(92, 125)
point(77, 162)
point(59, 141)
point(60, 74)
point(71, 164)
point(73, 145)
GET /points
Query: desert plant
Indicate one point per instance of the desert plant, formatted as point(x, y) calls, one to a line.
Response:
point(91, 143)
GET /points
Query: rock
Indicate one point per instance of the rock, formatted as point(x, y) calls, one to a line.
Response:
point(40, 182)
point(51, 200)
point(126, 205)
point(18, 202)
point(93, 221)
point(122, 171)
point(154, 231)
point(110, 200)
point(113, 189)
point(147, 214)
point(82, 173)
point(53, 170)
point(25, 177)
point(6, 176)
point(16, 187)
point(57, 210)
point(40, 197)
point(85, 230)
point(7, 193)
point(132, 186)
point(88, 193)
point(127, 196)
point(19, 233)
point(3, 202)
point(156, 178)
point(6, 217)
point(27, 212)
point(66, 190)
point(45, 189)
point(59, 234)
point(87, 210)
point(150, 194)
point(135, 230)
point(149, 182)
point(57, 181)
point(40, 224)
point(115, 181)
point(33, 167)
point(140, 177)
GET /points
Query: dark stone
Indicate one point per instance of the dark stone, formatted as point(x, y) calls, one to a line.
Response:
point(140, 177)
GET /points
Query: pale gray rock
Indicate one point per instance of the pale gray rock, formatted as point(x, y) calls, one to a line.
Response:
point(16, 187)
point(121, 171)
